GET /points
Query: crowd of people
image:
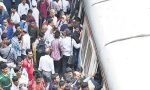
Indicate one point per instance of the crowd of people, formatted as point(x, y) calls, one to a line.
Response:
point(39, 45)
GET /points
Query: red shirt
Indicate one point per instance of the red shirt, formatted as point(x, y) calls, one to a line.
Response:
point(39, 86)
point(29, 67)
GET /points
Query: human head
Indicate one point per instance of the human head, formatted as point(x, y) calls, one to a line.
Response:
point(55, 78)
point(17, 34)
point(19, 62)
point(41, 35)
point(44, 28)
point(33, 23)
point(4, 68)
point(5, 22)
point(29, 53)
point(13, 9)
point(52, 12)
point(17, 70)
point(47, 51)
point(15, 80)
point(66, 32)
point(5, 39)
point(23, 17)
point(67, 88)
point(69, 72)
point(23, 2)
point(62, 84)
point(77, 75)
point(38, 77)
point(30, 12)
point(50, 21)
point(84, 86)
point(57, 34)
point(63, 18)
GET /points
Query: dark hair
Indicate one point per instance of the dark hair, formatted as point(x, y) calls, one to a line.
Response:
point(57, 34)
point(41, 35)
point(16, 69)
point(13, 7)
point(4, 35)
point(68, 80)
point(35, 73)
point(50, 20)
point(84, 85)
point(79, 69)
point(53, 77)
point(15, 78)
point(55, 87)
point(28, 50)
point(3, 66)
point(68, 32)
point(30, 11)
point(16, 33)
point(61, 83)
point(68, 70)
point(67, 88)
point(23, 17)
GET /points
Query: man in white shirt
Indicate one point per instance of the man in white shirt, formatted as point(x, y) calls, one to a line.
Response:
point(35, 13)
point(46, 65)
point(15, 84)
point(25, 43)
point(65, 5)
point(15, 18)
point(49, 33)
point(68, 43)
point(23, 8)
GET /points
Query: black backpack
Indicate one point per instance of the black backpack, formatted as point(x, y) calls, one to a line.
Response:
point(41, 46)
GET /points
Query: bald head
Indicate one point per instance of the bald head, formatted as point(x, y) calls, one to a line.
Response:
point(47, 51)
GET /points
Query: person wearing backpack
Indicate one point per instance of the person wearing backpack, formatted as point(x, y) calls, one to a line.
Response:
point(40, 47)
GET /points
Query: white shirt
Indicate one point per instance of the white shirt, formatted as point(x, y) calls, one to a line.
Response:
point(46, 64)
point(23, 82)
point(23, 9)
point(25, 43)
point(65, 5)
point(49, 37)
point(68, 46)
point(35, 14)
point(14, 87)
point(15, 17)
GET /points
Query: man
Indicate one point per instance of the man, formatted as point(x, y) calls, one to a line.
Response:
point(8, 29)
point(15, 85)
point(23, 8)
point(23, 80)
point(15, 41)
point(6, 51)
point(49, 34)
point(25, 43)
point(46, 65)
point(28, 64)
point(35, 13)
point(29, 17)
point(5, 81)
point(15, 18)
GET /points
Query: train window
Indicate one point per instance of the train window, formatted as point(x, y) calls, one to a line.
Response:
point(88, 58)
point(84, 45)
